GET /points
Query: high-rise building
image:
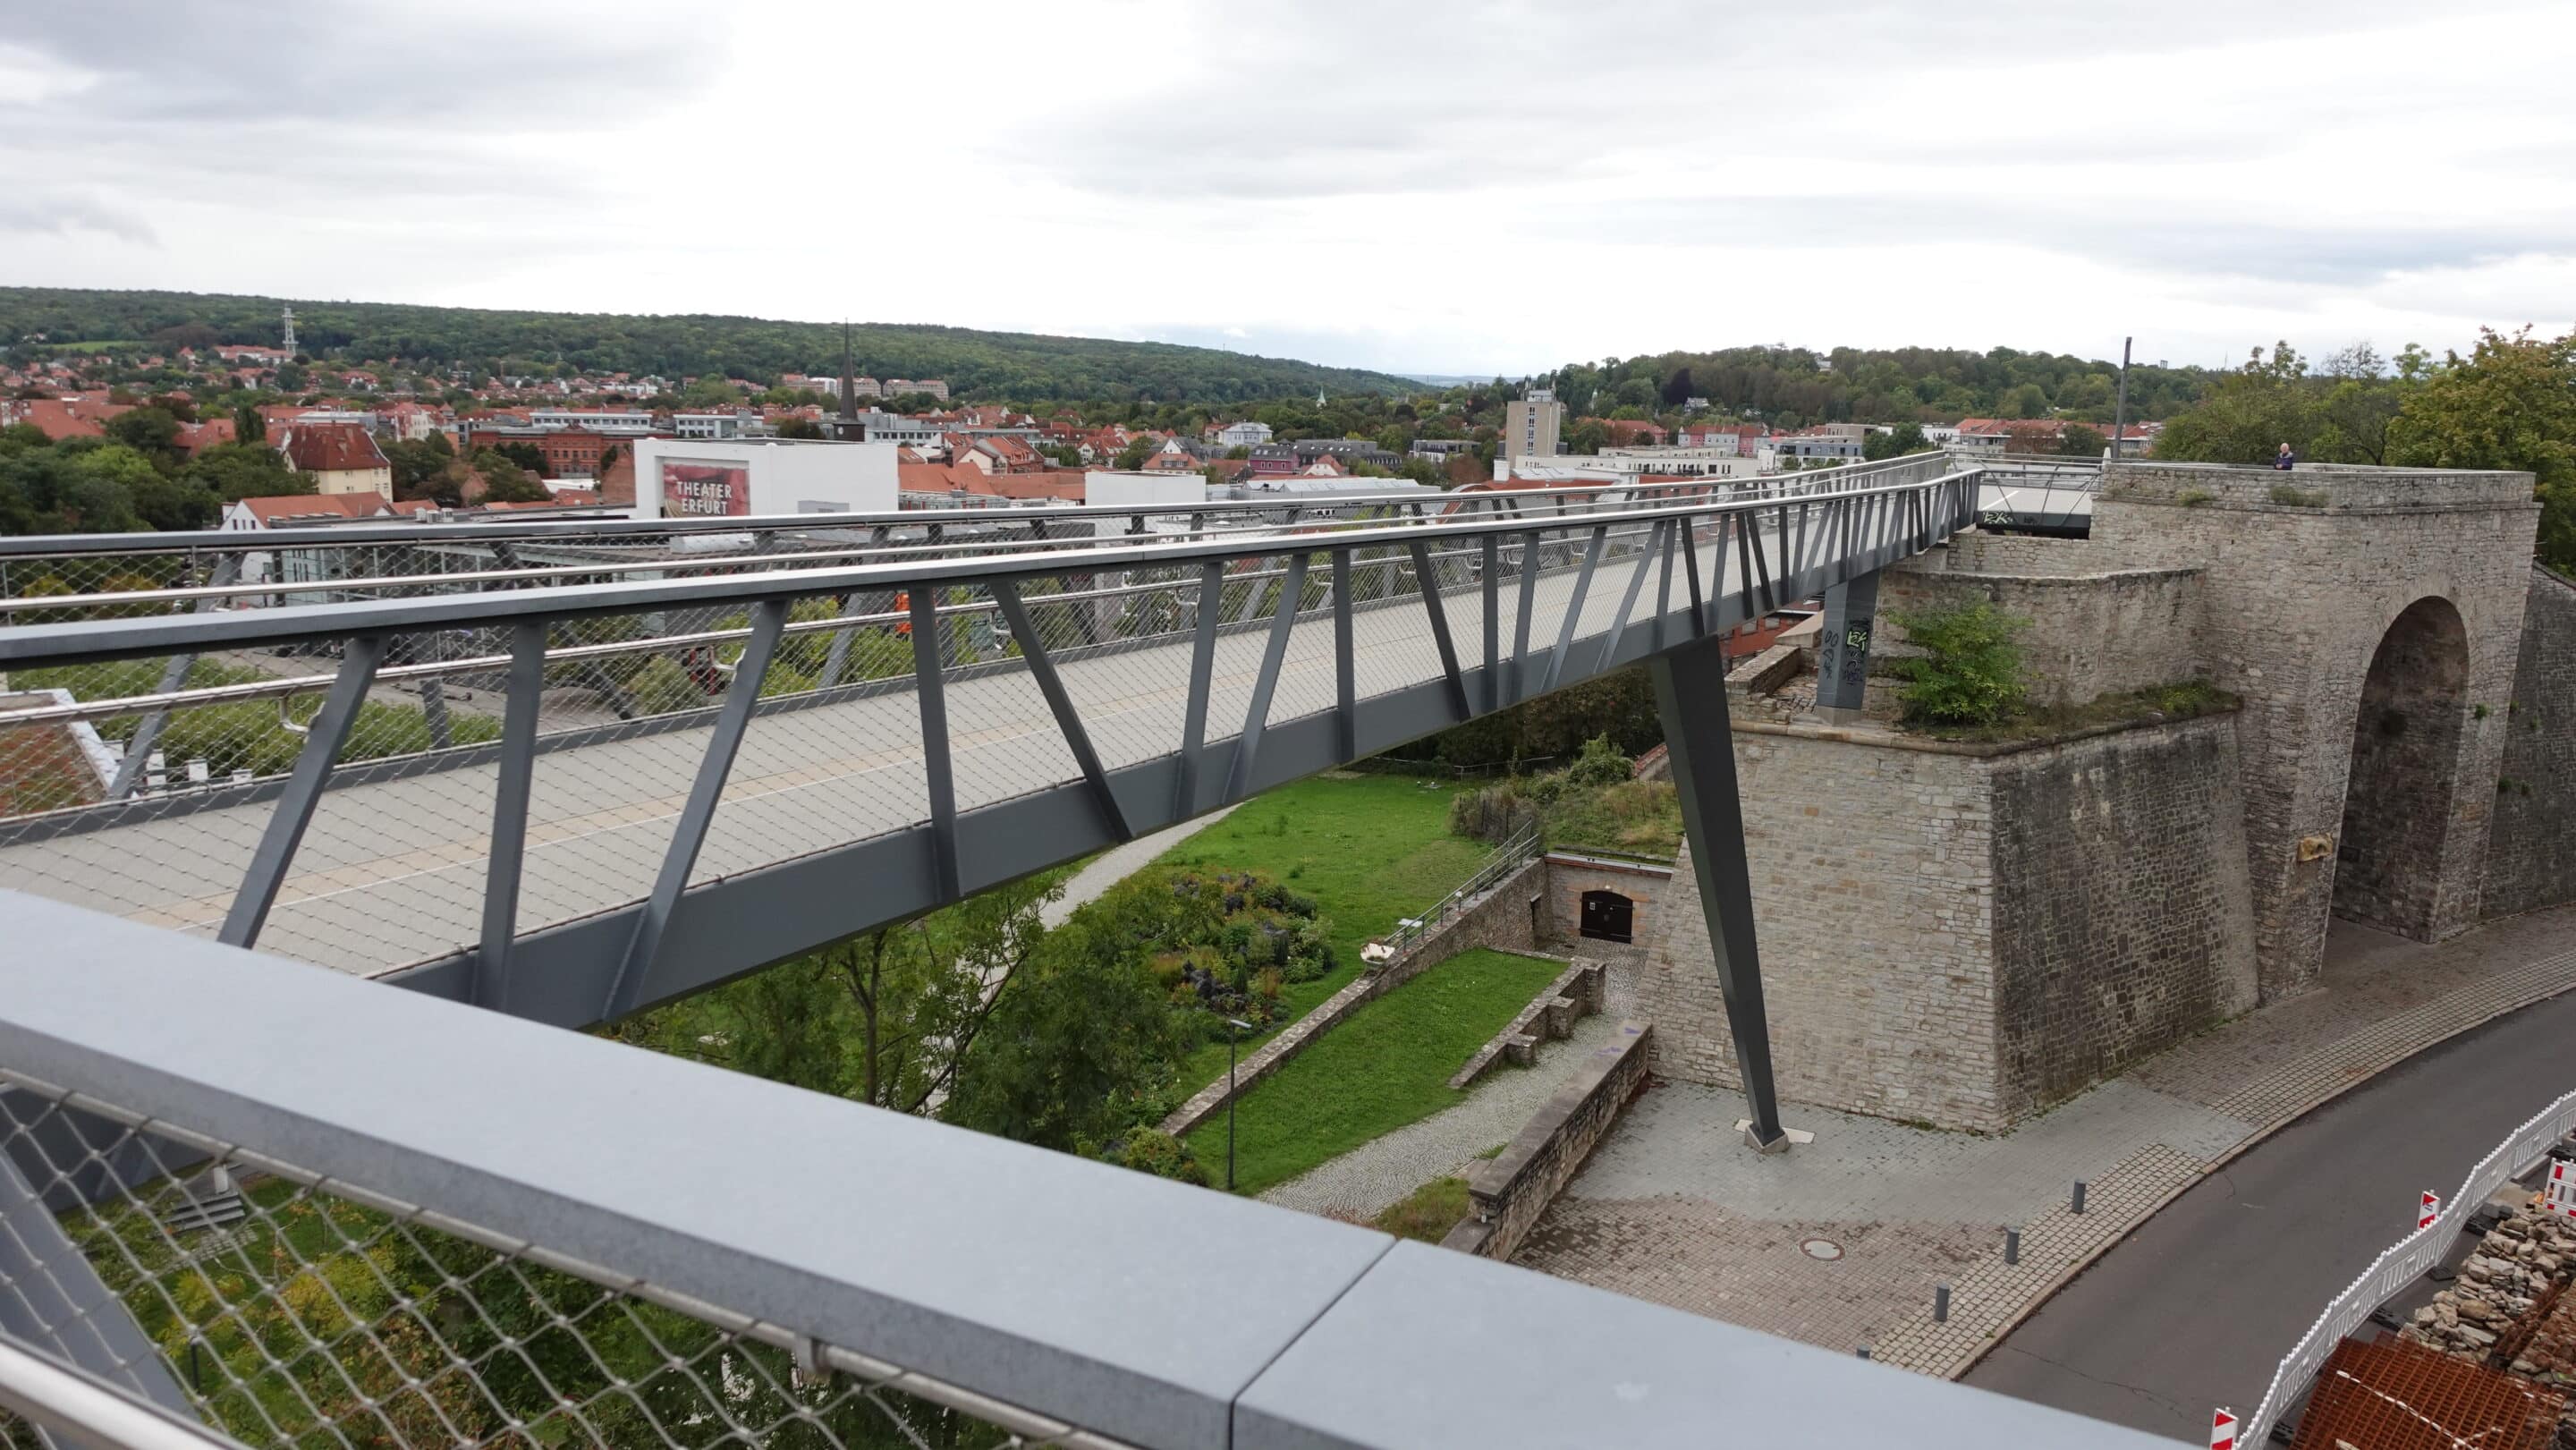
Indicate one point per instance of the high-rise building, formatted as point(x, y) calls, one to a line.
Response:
point(1531, 425)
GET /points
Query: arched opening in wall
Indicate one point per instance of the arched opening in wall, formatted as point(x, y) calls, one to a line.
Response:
point(2405, 766)
point(1609, 916)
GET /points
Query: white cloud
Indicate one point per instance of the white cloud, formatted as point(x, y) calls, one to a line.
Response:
point(1466, 188)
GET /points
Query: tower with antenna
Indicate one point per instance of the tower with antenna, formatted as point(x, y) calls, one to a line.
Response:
point(847, 426)
point(288, 315)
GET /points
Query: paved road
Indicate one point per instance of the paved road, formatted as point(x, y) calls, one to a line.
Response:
point(2197, 1307)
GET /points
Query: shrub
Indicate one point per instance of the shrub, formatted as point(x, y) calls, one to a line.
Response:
point(2192, 498)
point(1158, 1153)
point(1970, 672)
point(2296, 498)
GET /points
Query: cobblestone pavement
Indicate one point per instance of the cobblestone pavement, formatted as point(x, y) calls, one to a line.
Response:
point(1370, 1177)
point(1118, 863)
point(1671, 1207)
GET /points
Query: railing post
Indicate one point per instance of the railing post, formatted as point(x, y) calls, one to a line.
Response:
point(294, 812)
point(514, 772)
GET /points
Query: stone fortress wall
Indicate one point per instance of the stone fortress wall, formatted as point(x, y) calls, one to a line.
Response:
point(1964, 934)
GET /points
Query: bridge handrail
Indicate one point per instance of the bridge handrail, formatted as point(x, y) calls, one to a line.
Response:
point(106, 639)
point(37, 546)
point(1065, 1300)
point(782, 541)
point(1508, 857)
point(2406, 1260)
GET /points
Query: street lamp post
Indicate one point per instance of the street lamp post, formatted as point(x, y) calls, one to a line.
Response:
point(1235, 1028)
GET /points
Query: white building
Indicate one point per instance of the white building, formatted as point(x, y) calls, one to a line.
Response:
point(1719, 460)
point(713, 425)
point(597, 420)
point(1246, 434)
point(751, 477)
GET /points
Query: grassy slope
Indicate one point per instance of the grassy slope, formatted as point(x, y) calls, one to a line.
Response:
point(1369, 849)
point(1386, 1065)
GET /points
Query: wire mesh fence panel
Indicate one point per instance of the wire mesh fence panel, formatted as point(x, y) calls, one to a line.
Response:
point(286, 1309)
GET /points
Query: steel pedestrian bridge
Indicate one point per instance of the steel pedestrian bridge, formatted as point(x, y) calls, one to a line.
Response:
point(547, 775)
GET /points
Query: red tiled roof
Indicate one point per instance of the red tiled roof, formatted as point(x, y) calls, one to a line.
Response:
point(288, 509)
point(332, 448)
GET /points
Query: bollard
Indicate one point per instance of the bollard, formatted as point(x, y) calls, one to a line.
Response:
point(1864, 1351)
point(1941, 1304)
point(2079, 1195)
point(2012, 1246)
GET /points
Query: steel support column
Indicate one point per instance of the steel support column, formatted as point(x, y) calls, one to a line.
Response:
point(1690, 692)
point(1438, 614)
point(1842, 649)
point(1068, 720)
point(1256, 715)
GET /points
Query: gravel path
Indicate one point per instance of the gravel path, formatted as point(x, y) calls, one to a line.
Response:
point(1113, 866)
point(1368, 1178)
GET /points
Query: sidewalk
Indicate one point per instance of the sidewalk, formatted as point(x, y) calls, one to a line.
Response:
point(1120, 862)
point(1841, 1242)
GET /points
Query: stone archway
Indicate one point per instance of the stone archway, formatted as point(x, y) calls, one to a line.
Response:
point(2404, 782)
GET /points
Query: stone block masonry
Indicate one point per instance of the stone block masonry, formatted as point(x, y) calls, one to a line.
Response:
point(1578, 992)
point(2531, 842)
point(2087, 634)
point(2302, 590)
point(1511, 1190)
point(1960, 934)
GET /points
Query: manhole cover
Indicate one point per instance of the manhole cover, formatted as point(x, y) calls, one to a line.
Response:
point(1825, 1249)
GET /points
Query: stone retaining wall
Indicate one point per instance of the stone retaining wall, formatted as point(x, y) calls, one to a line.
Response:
point(1578, 992)
point(2531, 842)
point(1570, 873)
point(1501, 918)
point(1511, 1190)
point(1960, 934)
point(2089, 635)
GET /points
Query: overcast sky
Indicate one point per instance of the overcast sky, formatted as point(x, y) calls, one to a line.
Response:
point(1421, 187)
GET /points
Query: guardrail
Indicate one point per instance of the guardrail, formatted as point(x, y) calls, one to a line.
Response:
point(2406, 1261)
point(1508, 857)
point(581, 1242)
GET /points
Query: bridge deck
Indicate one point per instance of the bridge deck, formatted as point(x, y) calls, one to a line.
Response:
point(391, 871)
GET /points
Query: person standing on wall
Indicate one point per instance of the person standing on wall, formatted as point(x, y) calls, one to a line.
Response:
point(2285, 459)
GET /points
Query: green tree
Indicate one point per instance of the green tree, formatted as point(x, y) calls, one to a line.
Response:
point(150, 431)
point(2082, 441)
point(1904, 438)
point(1133, 456)
point(250, 425)
point(2247, 415)
point(798, 427)
point(505, 481)
point(2510, 404)
point(231, 472)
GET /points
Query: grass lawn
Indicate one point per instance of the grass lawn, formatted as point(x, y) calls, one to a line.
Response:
point(1370, 849)
point(1386, 1065)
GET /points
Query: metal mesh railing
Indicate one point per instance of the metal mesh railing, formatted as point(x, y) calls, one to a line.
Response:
point(282, 1307)
point(382, 784)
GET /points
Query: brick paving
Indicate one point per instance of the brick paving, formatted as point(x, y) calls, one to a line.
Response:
point(1672, 1209)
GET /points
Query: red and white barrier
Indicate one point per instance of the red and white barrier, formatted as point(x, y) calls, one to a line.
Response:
point(2428, 1210)
point(2558, 1191)
point(2222, 1430)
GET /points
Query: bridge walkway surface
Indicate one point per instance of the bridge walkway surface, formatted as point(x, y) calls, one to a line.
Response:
point(2197, 1307)
point(391, 872)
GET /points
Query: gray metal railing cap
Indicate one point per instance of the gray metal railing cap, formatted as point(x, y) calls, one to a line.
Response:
point(1124, 1303)
point(1435, 1349)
